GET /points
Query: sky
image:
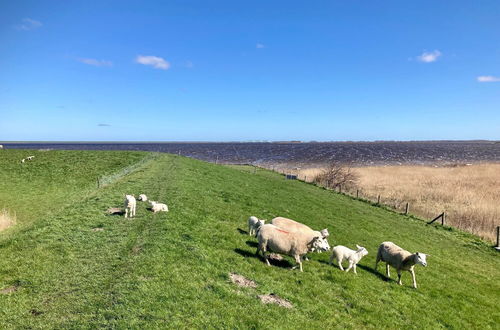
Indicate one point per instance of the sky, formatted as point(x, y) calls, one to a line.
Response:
point(249, 70)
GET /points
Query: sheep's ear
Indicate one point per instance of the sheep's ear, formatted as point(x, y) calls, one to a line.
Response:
point(358, 247)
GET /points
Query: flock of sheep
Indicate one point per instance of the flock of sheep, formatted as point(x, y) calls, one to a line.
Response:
point(27, 158)
point(292, 238)
point(130, 204)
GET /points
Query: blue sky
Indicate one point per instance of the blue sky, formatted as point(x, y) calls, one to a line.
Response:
point(249, 70)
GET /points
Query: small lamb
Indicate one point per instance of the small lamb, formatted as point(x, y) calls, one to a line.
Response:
point(143, 197)
point(341, 252)
point(400, 259)
point(254, 224)
point(130, 205)
point(30, 157)
point(158, 207)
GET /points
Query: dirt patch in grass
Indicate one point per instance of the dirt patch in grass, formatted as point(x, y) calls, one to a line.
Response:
point(115, 211)
point(97, 229)
point(9, 289)
point(6, 219)
point(242, 281)
point(274, 299)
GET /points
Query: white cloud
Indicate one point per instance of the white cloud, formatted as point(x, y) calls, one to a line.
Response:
point(94, 62)
point(29, 24)
point(155, 61)
point(488, 79)
point(429, 57)
point(258, 46)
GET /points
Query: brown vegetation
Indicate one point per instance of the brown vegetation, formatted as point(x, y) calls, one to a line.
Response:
point(469, 194)
point(336, 175)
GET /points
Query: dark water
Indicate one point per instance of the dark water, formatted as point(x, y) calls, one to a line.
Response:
point(359, 153)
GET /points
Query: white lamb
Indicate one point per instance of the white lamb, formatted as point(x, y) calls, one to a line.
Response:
point(158, 207)
point(30, 157)
point(254, 224)
point(400, 259)
point(23, 160)
point(143, 197)
point(293, 244)
point(341, 252)
point(130, 205)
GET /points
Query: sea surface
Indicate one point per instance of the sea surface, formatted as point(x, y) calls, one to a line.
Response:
point(306, 153)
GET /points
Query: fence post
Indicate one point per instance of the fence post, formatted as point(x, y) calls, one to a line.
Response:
point(305, 178)
point(340, 188)
point(498, 237)
point(216, 159)
point(443, 218)
point(378, 199)
point(357, 193)
point(407, 209)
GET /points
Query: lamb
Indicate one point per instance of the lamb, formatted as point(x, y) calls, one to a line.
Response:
point(292, 225)
point(158, 207)
point(254, 224)
point(143, 197)
point(23, 160)
point(30, 157)
point(341, 252)
point(130, 204)
point(400, 259)
point(294, 244)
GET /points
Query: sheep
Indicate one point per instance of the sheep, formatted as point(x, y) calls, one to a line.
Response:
point(254, 224)
point(400, 259)
point(292, 225)
point(341, 252)
point(294, 244)
point(143, 197)
point(23, 160)
point(158, 207)
point(30, 157)
point(130, 204)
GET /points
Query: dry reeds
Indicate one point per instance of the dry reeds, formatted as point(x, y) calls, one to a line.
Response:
point(6, 219)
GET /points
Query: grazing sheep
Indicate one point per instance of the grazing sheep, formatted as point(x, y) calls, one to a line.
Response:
point(158, 207)
point(23, 160)
point(143, 197)
point(341, 252)
point(254, 224)
point(292, 225)
point(30, 157)
point(400, 259)
point(130, 204)
point(294, 244)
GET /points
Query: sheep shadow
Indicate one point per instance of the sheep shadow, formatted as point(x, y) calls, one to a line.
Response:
point(375, 272)
point(252, 244)
point(278, 263)
point(241, 231)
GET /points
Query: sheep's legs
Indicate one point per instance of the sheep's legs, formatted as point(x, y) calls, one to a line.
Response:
point(126, 212)
point(387, 271)
point(340, 264)
point(399, 277)
point(353, 266)
point(413, 278)
point(298, 260)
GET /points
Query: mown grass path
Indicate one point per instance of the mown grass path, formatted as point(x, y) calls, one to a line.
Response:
point(171, 269)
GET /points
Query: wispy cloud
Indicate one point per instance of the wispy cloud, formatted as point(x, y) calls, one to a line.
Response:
point(154, 61)
point(429, 57)
point(488, 79)
point(94, 62)
point(259, 46)
point(103, 125)
point(28, 24)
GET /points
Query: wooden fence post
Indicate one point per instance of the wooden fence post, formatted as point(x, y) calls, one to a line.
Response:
point(443, 219)
point(498, 237)
point(305, 178)
point(407, 208)
point(340, 188)
point(378, 199)
point(357, 193)
point(216, 159)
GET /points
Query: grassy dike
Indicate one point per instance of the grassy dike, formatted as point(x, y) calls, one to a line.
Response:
point(171, 269)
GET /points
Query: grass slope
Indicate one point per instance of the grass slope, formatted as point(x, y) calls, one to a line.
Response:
point(171, 269)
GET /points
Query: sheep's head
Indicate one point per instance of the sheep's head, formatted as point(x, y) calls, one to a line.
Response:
point(362, 250)
point(319, 244)
point(421, 259)
point(325, 233)
point(260, 223)
point(152, 203)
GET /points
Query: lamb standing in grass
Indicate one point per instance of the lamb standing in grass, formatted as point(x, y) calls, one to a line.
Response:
point(143, 197)
point(400, 259)
point(341, 252)
point(158, 207)
point(254, 224)
point(293, 244)
point(130, 204)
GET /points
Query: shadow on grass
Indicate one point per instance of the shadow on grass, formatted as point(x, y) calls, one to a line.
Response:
point(241, 231)
point(252, 244)
point(376, 273)
point(278, 263)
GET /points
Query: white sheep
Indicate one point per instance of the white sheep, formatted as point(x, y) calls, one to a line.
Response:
point(23, 160)
point(254, 224)
point(130, 205)
point(294, 244)
point(158, 207)
point(30, 157)
point(400, 259)
point(292, 225)
point(143, 197)
point(341, 252)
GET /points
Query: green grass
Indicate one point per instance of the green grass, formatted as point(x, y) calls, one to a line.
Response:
point(171, 269)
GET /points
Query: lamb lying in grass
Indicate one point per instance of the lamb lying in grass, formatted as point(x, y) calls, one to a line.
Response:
point(294, 244)
point(254, 224)
point(400, 259)
point(143, 197)
point(158, 207)
point(130, 205)
point(341, 252)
